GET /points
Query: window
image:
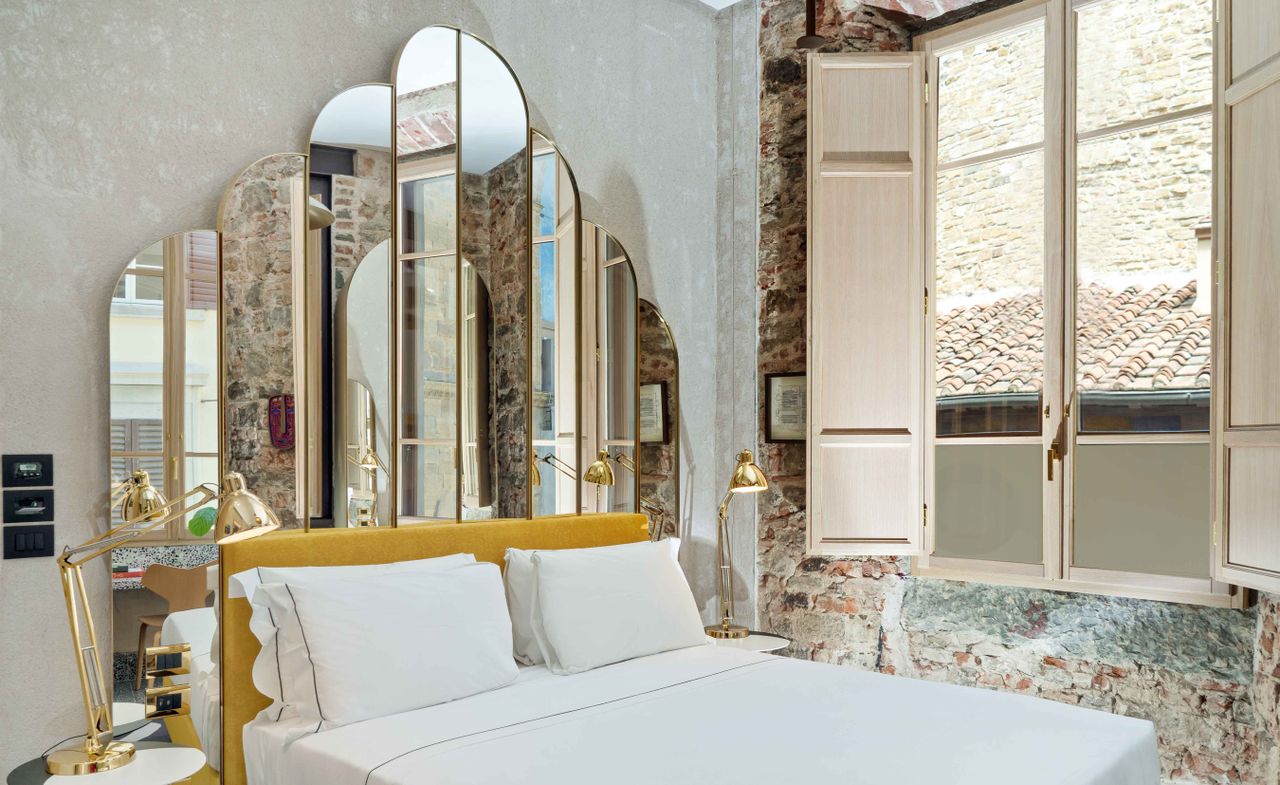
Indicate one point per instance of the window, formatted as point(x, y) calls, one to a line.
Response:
point(1070, 181)
point(429, 281)
point(164, 369)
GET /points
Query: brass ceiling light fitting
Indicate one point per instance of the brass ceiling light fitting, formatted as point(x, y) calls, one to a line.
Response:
point(810, 39)
point(746, 478)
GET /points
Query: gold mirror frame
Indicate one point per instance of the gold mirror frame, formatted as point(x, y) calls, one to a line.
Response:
point(670, 523)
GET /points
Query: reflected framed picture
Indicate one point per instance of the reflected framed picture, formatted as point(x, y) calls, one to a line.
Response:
point(785, 400)
point(653, 413)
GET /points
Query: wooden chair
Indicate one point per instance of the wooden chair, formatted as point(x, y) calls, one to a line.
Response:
point(183, 588)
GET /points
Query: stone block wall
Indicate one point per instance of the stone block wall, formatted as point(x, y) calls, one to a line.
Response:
point(1207, 678)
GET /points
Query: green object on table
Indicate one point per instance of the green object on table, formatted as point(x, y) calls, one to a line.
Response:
point(202, 521)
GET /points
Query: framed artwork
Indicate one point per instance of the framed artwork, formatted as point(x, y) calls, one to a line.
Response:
point(653, 413)
point(785, 401)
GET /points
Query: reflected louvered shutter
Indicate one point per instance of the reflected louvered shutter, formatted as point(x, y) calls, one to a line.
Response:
point(202, 270)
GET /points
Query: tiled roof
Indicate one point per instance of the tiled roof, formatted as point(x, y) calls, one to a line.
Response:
point(1130, 339)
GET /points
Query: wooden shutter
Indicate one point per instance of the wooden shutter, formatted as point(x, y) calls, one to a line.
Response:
point(865, 303)
point(202, 270)
point(1247, 319)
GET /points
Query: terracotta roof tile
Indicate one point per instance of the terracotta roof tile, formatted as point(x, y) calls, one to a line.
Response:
point(1129, 339)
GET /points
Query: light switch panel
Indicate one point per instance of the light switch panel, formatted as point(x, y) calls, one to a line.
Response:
point(27, 471)
point(24, 542)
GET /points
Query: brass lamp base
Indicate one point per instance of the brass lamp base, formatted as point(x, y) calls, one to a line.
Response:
point(79, 761)
point(727, 631)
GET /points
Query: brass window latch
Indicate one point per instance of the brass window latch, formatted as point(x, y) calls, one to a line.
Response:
point(1055, 454)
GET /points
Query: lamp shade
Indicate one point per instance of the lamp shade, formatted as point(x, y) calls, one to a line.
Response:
point(318, 216)
point(142, 502)
point(241, 514)
point(747, 477)
point(600, 472)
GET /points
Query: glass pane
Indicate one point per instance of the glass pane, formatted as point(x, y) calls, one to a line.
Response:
point(148, 287)
point(429, 207)
point(544, 342)
point(1143, 508)
point(429, 350)
point(618, 337)
point(621, 496)
point(988, 502)
point(150, 259)
point(1138, 60)
point(544, 194)
point(201, 469)
point(989, 290)
point(428, 482)
point(554, 488)
point(1010, 66)
point(1144, 267)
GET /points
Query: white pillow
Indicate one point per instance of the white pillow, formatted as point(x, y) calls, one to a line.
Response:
point(519, 580)
point(268, 676)
point(390, 643)
point(596, 606)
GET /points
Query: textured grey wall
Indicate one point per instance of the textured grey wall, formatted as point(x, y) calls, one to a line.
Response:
point(124, 121)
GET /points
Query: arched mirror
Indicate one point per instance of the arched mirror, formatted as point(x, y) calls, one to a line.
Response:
point(349, 379)
point(263, 223)
point(554, 346)
point(164, 407)
point(610, 384)
point(463, 169)
point(659, 464)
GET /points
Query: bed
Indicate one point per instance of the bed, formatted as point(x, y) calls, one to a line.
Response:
point(691, 715)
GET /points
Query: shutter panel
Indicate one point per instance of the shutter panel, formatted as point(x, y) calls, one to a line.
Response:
point(865, 304)
point(202, 270)
point(1247, 319)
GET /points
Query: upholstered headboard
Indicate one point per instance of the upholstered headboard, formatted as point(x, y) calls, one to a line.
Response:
point(488, 540)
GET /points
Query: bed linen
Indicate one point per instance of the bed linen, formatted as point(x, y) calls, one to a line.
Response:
point(198, 627)
point(717, 715)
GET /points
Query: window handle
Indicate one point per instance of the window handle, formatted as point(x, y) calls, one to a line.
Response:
point(1055, 454)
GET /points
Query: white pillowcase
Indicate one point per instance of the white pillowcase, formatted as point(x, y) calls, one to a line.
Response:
point(389, 643)
point(519, 578)
point(596, 606)
point(268, 675)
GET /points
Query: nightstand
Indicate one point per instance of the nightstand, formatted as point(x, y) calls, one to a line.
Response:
point(154, 763)
point(755, 641)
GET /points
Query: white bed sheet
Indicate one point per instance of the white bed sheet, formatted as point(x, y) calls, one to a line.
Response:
point(719, 715)
point(197, 627)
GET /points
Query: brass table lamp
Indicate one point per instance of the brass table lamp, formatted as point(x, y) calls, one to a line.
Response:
point(241, 515)
point(747, 478)
point(601, 473)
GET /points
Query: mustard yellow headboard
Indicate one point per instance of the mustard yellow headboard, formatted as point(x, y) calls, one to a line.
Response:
point(488, 540)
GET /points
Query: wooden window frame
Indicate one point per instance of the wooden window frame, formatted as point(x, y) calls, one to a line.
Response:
point(1060, 143)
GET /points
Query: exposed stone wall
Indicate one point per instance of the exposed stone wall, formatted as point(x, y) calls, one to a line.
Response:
point(1266, 677)
point(257, 301)
point(659, 363)
point(362, 214)
point(1193, 671)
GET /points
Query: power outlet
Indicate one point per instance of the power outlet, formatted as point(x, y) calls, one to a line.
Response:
point(25, 542)
point(28, 506)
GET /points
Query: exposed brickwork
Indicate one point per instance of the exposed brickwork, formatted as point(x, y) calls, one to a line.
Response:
point(1193, 671)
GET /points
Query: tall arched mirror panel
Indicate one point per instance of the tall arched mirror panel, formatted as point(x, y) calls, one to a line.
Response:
point(349, 291)
point(164, 389)
point(263, 223)
point(659, 464)
point(555, 350)
point(429, 279)
point(494, 231)
point(610, 386)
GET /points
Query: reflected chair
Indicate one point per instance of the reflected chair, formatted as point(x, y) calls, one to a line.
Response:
point(183, 588)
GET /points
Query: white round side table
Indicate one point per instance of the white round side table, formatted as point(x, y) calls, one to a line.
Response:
point(154, 763)
point(755, 641)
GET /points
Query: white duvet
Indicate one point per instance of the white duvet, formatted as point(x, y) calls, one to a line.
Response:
point(718, 715)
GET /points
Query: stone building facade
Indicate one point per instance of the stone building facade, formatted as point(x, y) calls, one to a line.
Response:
point(1208, 678)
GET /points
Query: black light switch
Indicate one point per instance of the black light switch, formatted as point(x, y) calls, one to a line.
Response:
point(28, 506)
point(27, 471)
point(23, 542)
